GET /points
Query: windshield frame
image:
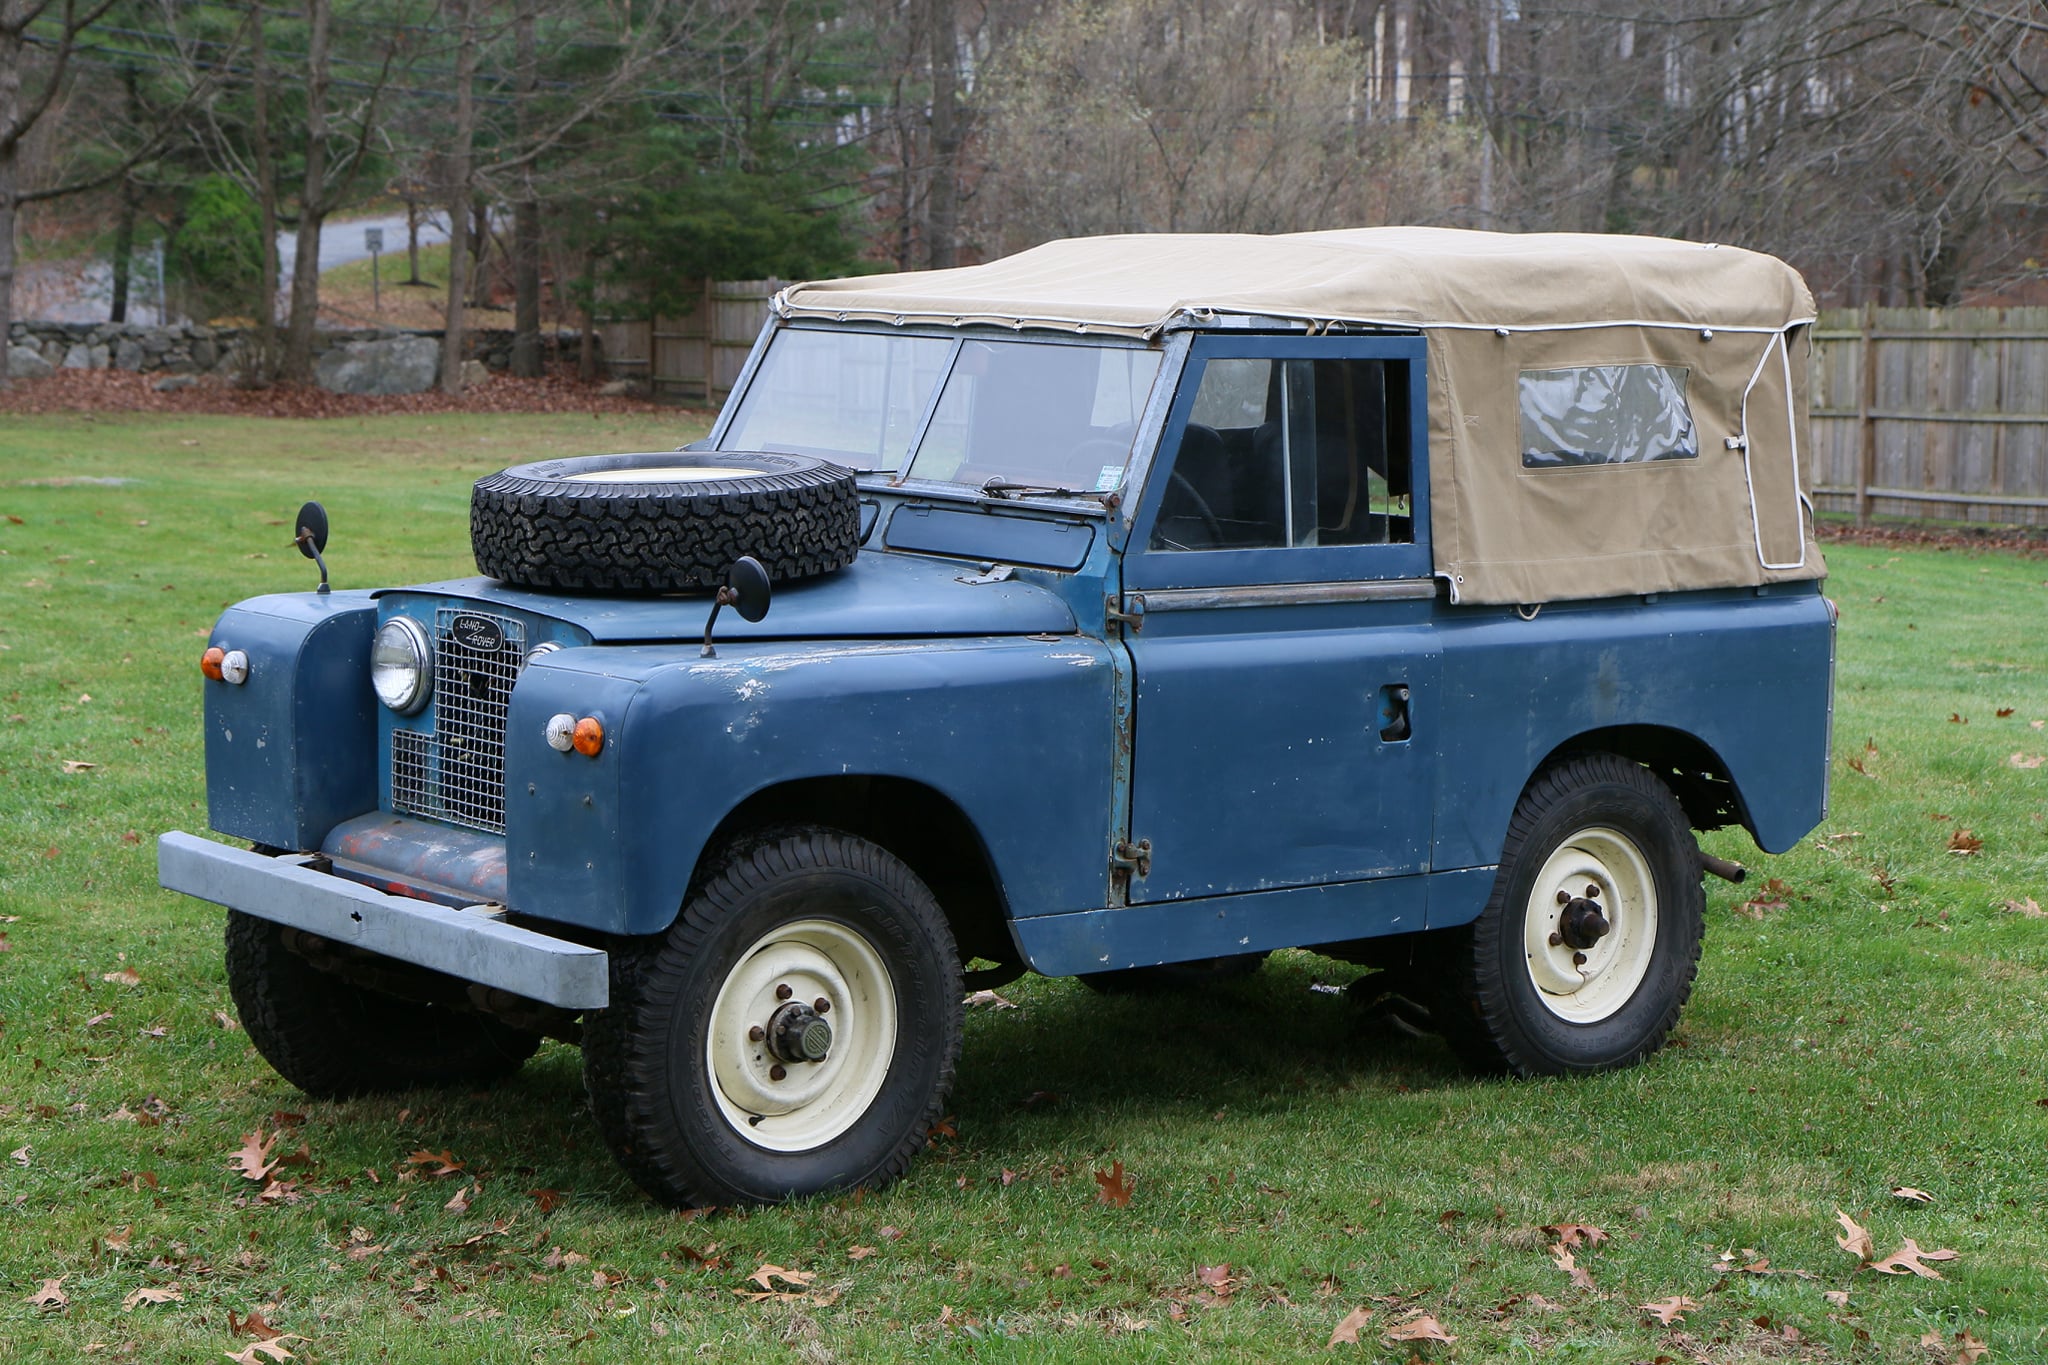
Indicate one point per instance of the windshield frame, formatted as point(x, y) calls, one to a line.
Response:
point(1171, 349)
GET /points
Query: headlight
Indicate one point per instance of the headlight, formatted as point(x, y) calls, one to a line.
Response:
point(401, 665)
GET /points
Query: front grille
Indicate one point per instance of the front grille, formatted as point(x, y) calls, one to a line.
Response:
point(455, 771)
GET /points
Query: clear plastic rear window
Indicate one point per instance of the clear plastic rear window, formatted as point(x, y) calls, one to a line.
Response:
point(1605, 414)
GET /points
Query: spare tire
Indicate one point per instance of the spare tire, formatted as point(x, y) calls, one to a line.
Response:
point(663, 521)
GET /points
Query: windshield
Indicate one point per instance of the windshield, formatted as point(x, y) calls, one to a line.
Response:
point(1050, 414)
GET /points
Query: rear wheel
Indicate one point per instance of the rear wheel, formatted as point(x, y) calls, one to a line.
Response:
point(1586, 951)
point(795, 1030)
point(331, 1038)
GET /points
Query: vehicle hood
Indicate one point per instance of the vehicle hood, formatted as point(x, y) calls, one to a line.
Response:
point(879, 596)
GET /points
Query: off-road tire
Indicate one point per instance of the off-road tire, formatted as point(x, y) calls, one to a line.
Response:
point(1590, 810)
point(648, 1060)
point(333, 1039)
point(540, 525)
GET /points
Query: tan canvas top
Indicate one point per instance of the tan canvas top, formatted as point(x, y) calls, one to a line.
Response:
point(1499, 311)
point(1407, 277)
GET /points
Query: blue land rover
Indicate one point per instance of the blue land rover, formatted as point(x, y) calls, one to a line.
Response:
point(1140, 605)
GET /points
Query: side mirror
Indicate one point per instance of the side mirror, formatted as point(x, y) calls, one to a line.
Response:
point(311, 536)
point(747, 591)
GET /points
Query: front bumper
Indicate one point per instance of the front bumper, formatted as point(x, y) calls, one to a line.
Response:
point(468, 944)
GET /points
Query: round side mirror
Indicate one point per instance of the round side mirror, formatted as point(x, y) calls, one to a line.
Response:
point(748, 580)
point(311, 535)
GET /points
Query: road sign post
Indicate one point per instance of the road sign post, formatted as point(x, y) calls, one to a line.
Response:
point(373, 242)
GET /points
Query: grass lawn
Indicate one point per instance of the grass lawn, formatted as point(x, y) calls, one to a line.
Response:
point(1875, 1018)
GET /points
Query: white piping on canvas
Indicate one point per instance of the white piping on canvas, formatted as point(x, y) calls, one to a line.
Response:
point(1777, 343)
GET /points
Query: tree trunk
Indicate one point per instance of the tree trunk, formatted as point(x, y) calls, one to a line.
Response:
point(943, 206)
point(124, 251)
point(458, 195)
point(526, 357)
point(412, 241)
point(586, 355)
point(313, 205)
point(259, 369)
point(11, 23)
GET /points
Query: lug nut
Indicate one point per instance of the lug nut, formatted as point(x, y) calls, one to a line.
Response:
point(756, 1034)
point(777, 1072)
point(783, 992)
point(1556, 939)
point(1592, 892)
point(822, 1005)
point(1578, 959)
point(1564, 898)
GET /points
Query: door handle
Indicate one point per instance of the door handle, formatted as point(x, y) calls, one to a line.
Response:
point(1394, 727)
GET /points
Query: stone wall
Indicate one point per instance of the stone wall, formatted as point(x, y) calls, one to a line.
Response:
point(36, 348)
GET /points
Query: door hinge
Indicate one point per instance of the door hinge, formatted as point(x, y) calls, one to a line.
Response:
point(1130, 857)
point(1130, 614)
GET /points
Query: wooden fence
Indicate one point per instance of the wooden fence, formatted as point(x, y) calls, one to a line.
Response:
point(1931, 412)
point(695, 358)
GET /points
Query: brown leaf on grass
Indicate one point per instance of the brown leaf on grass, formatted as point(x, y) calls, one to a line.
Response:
point(146, 1294)
point(547, 1199)
point(2004, 711)
point(1563, 1259)
point(1669, 1311)
point(1217, 1280)
point(117, 1240)
point(1964, 843)
point(558, 1259)
point(1907, 1192)
point(99, 1018)
point(252, 1158)
point(226, 1021)
point(1968, 1348)
point(252, 1326)
point(1773, 896)
point(1909, 1258)
point(2027, 908)
point(768, 1274)
point(1576, 1234)
point(433, 1165)
point(1956, 718)
point(2027, 761)
point(22, 1155)
point(126, 976)
point(859, 1253)
point(1113, 1187)
point(1855, 1238)
point(1421, 1328)
point(270, 1348)
point(78, 765)
point(1838, 1297)
point(989, 998)
point(1348, 1330)
point(50, 1295)
point(459, 1201)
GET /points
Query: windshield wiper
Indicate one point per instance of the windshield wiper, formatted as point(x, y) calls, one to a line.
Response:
point(998, 487)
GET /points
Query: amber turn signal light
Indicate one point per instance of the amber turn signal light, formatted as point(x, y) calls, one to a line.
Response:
point(588, 736)
point(209, 662)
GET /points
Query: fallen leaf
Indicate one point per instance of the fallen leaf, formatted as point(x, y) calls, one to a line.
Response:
point(100, 1018)
point(768, 1274)
point(252, 1326)
point(1916, 1196)
point(1423, 1328)
point(1963, 842)
point(127, 976)
point(547, 1199)
point(1838, 1297)
point(1855, 1238)
point(2027, 907)
point(989, 998)
point(459, 1202)
point(1216, 1279)
point(117, 1240)
point(1955, 718)
point(2025, 761)
point(78, 765)
point(1669, 1311)
point(252, 1158)
point(168, 1294)
point(434, 1165)
point(226, 1020)
point(1908, 1260)
point(1113, 1187)
point(859, 1253)
point(51, 1295)
point(2004, 711)
point(1563, 1259)
point(1348, 1330)
point(22, 1155)
point(1578, 1234)
point(271, 1348)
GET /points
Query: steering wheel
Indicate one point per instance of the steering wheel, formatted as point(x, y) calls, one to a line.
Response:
point(1178, 484)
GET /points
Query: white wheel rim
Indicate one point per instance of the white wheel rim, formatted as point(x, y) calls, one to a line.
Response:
point(814, 1102)
point(1588, 991)
point(663, 473)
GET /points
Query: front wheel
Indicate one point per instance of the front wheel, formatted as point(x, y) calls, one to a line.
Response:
point(794, 1031)
point(1586, 951)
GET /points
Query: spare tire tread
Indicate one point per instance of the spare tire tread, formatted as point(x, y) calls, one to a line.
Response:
point(533, 526)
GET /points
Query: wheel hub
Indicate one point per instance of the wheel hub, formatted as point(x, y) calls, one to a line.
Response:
point(797, 1034)
point(1581, 924)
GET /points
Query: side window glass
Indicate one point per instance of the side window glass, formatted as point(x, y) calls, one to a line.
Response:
point(1605, 414)
point(1280, 453)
